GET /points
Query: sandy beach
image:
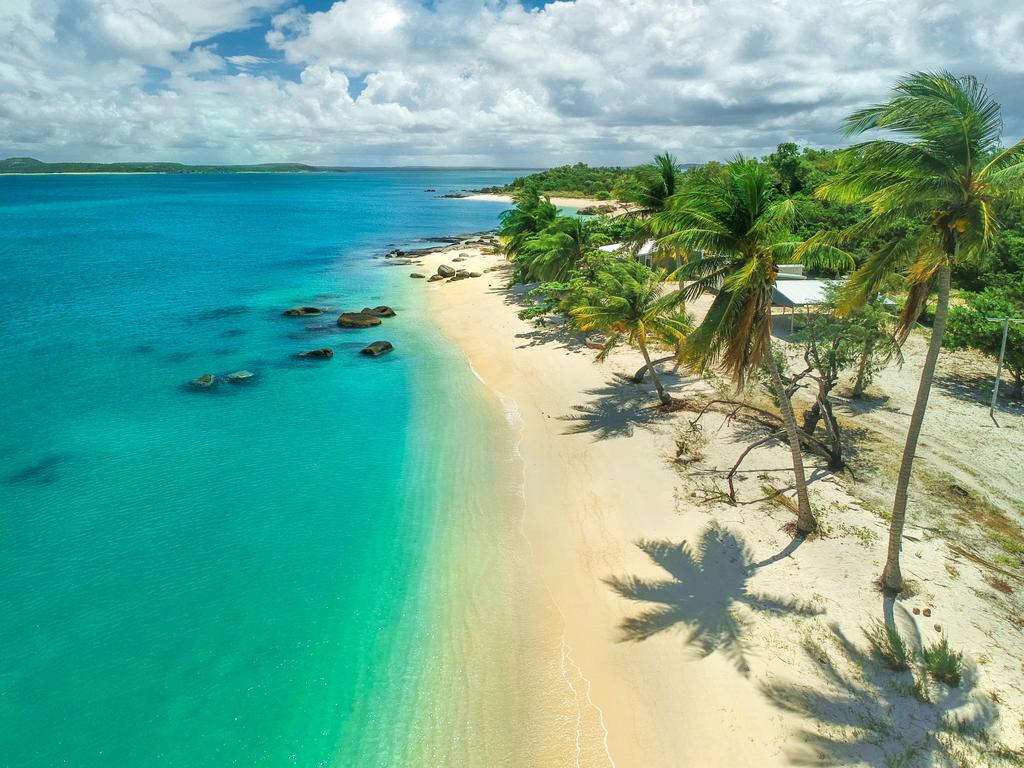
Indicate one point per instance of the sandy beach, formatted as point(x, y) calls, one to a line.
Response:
point(561, 202)
point(717, 659)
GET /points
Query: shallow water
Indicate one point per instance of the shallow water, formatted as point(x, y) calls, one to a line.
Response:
point(317, 567)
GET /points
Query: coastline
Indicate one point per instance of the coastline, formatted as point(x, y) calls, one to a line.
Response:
point(693, 686)
point(586, 501)
point(561, 202)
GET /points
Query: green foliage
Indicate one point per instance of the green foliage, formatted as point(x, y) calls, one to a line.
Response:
point(889, 646)
point(735, 230)
point(943, 663)
point(968, 327)
point(579, 180)
point(944, 179)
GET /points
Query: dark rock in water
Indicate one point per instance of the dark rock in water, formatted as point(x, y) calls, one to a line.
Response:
point(416, 274)
point(324, 353)
point(381, 311)
point(233, 332)
point(446, 271)
point(377, 348)
point(239, 377)
point(435, 278)
point(357, 320)
point(430, 189)
point(142, 349)
point(43, 472)
point(476, 274)
point(205, 381)
point(219, 313)
point(303, 312)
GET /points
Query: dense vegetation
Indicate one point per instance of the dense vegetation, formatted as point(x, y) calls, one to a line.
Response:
point(929, 215)
point(31, 165)
point(579, 180)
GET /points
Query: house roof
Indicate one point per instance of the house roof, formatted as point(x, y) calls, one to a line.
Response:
point(800, 293)
point(647, 248)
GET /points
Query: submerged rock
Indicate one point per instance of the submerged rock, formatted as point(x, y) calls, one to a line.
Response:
point(303, 312)
point(357, 320)
point(237, 377)
point(377, 348)
point(324, 353)
point(205, 381)
point(416, 274)
point(476, 274)
point(444, 270)
point(381, 311)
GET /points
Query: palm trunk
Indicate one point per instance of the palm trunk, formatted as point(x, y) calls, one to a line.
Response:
point(638, 377)
point(665, 397)
point(805, 521)
point(892, 579)
point(858, 388)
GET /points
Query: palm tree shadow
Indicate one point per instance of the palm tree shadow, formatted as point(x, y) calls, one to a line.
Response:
point(865, 713)
point(703, 593)
point(615, 411)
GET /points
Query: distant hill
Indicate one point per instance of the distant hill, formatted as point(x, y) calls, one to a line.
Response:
point(31, 165)
point(581, 180)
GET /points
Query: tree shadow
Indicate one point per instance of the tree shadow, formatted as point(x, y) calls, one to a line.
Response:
point(863, 712)
point(977, 388)
point(617, 409)
point(703, 594)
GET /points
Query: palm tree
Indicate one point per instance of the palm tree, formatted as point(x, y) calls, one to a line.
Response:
point(552, 253)
point(627, 304)
point(943, 168)
point(733, 230)
point(652, 192)
point(532, 214)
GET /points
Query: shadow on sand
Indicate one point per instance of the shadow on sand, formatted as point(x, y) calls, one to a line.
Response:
point(703, 593)
point(863, 712)
point(617, 409)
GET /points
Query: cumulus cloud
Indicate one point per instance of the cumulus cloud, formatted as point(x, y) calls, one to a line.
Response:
point(455, 81)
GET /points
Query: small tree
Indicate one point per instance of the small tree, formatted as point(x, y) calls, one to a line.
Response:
point(969, 328)
point(625, 303)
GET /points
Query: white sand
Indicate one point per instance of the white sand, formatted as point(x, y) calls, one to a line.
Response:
point(599, 476)
point(561, 202)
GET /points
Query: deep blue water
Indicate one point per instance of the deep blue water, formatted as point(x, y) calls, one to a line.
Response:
point(210, 578)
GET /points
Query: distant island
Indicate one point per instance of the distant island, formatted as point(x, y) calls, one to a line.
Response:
point(21, 165)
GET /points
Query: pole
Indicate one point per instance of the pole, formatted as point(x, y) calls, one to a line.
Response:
point(999, 366)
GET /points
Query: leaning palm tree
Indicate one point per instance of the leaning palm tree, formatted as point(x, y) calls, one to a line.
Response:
point(627, 304)
point(944, 169)
point(552, 253)
point(530, 215)
point(733, 231)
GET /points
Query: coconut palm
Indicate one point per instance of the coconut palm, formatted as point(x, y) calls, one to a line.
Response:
point(627, 304)
point(531, 215)
point(551, 254)
point(732, 231)
point(943, 168)
point(657, 187)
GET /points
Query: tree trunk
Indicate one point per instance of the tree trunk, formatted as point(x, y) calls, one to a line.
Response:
point(805, 521)
point(862, 371)
point(892, 578)
point(638, 377)
point(665, 397)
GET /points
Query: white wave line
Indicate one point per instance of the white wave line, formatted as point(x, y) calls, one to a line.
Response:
point(514, 418)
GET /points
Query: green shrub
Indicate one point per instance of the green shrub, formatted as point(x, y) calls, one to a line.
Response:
point(943, 663)
point(890, 646)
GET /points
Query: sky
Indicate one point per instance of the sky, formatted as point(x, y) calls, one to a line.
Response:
point(454, 82)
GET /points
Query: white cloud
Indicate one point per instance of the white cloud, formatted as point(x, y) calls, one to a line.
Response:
point(391, 81)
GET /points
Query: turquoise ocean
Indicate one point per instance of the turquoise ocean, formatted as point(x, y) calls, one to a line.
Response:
point(261, 574)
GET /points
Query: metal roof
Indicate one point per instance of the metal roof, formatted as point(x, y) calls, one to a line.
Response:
point(800, 293)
